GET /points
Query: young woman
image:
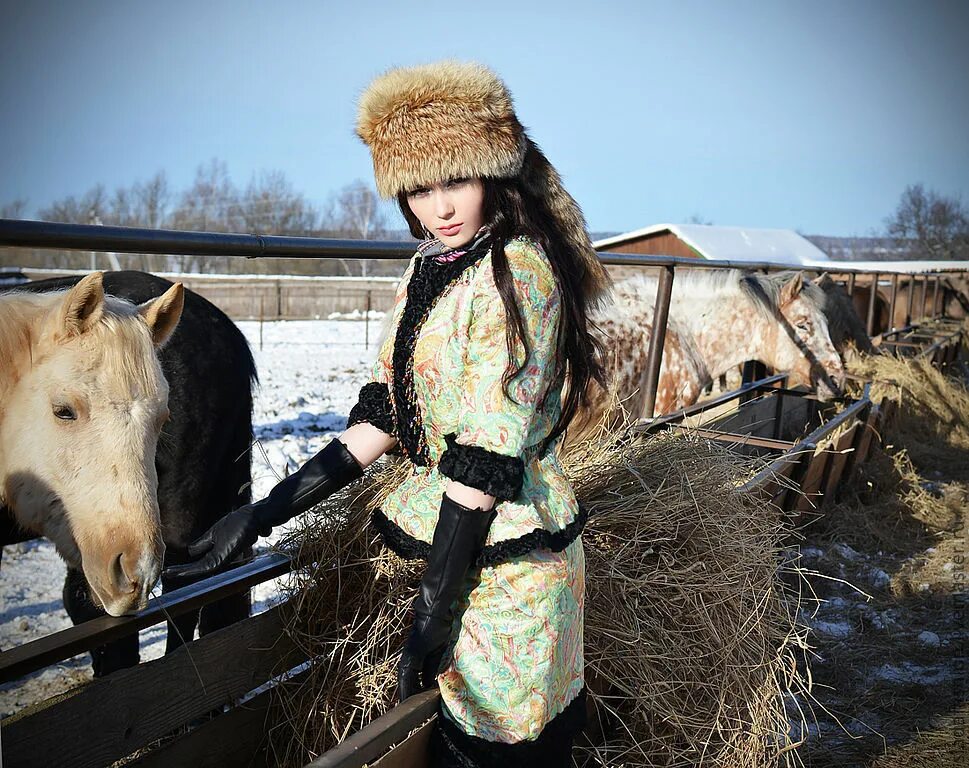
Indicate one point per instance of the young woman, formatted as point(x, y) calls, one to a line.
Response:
point(488, 330)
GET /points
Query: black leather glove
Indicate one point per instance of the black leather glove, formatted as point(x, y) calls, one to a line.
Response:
point(327, 472)
point(459, 536)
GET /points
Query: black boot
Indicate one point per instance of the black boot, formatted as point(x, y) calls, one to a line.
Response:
point(327, 472)
point(458, 537)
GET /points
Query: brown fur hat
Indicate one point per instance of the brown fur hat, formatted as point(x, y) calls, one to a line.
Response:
point(452, 119)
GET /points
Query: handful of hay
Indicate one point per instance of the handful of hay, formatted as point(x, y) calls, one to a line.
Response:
point(688, 633)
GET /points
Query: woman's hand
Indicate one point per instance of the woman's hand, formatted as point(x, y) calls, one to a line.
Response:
point(422, 655)
point(229, 537)
point(328, 471)
point(458, 537)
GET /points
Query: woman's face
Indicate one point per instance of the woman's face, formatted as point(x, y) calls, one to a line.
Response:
point(452, 211)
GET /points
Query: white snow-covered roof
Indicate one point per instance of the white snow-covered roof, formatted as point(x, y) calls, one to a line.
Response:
point(911, 267)
point(735, 243)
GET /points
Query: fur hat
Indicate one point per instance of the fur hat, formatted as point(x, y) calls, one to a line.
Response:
point(451, 119)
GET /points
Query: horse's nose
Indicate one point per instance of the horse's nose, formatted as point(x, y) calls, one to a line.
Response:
point(838, 379)
point(124, 575)
point(134, 574)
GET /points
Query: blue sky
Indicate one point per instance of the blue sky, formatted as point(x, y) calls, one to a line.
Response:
point(808, 115)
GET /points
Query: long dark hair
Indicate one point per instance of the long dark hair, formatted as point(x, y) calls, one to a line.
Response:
point(510, 212)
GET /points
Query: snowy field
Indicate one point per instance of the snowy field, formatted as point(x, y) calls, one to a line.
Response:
point(310, 373)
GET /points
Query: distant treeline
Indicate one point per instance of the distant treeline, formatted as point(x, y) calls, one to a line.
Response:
point(214, 203)
point(924, 225)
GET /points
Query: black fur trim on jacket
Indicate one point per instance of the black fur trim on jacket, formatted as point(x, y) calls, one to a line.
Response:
point(492, 473)
point(373, 407)
point(412, 548)
point(428, 282)
point(451, 747)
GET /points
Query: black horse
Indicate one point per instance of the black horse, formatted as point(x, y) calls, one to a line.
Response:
point(203, 455)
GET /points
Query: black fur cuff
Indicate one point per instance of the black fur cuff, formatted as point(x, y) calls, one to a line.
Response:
point(373, 407)
point(408, 547)
point(492, 473)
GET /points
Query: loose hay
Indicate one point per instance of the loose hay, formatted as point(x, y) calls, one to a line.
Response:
point(689, 630)
point(933, 425)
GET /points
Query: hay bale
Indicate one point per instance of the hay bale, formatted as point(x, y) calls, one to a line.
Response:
point(932, 410)
point(689, 631)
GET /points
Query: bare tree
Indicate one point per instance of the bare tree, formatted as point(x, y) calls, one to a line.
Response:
point(209, 204)
point(359, 210)
point(355, 213)
point(696, 218)
point(15, 209)
point(122, 211)
point(271, 206)
point(936, 226)
point(91, 207)
point(153, 199)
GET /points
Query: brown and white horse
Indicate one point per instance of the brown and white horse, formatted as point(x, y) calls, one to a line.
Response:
point(718, 320)
point(82, 402)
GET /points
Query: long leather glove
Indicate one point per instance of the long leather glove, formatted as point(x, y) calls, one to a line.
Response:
point(459, 536)
point(327, 472)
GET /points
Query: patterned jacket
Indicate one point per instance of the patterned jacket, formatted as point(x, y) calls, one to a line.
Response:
point(437, 387)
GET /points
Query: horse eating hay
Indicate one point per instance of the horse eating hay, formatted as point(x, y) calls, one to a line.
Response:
point(717, 321)
point(82, 402)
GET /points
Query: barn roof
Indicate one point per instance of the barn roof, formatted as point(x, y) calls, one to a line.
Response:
point(734, 243)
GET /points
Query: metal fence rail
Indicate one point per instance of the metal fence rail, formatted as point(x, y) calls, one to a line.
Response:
point(30, 657)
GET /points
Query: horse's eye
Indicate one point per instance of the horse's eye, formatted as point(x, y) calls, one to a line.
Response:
point(65, 413)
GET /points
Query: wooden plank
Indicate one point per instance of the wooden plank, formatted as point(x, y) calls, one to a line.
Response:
point(726, 397)
point(762, 479)
point(372, 741)
point(810, 496)
point(788, 496)
point(23, 659)
point(766, 483)
point(737, 437)
point(410, 753)
point(112, 717)
point(838, 461)
point(236, 739)
point(868, 434)
point(860, 431)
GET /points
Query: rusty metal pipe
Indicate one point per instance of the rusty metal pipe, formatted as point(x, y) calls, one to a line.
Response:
point(654, 359)
point(870, 324)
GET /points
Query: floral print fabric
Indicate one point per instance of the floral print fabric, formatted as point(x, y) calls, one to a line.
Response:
point(518, 658)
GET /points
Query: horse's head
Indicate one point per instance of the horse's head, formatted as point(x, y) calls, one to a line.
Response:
point(802, 342)
point(79, 433)
point(845, 327)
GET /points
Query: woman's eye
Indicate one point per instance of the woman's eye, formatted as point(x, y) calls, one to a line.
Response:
point(419, 192)
point(457, 182)
point(65, 413)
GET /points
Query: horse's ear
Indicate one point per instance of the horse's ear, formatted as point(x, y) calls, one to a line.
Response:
point(791, 289)
point(821, 279)
point(163, 313)
point(83, 306)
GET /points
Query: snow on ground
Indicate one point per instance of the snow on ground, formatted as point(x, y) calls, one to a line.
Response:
point(310, 373)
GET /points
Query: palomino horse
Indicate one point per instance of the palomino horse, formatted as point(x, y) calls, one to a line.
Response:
point(717, 320)
point(82, 402)
point(204, 453)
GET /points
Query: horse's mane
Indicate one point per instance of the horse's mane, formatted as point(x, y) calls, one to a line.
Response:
point(763, 291)
point(124, 342)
